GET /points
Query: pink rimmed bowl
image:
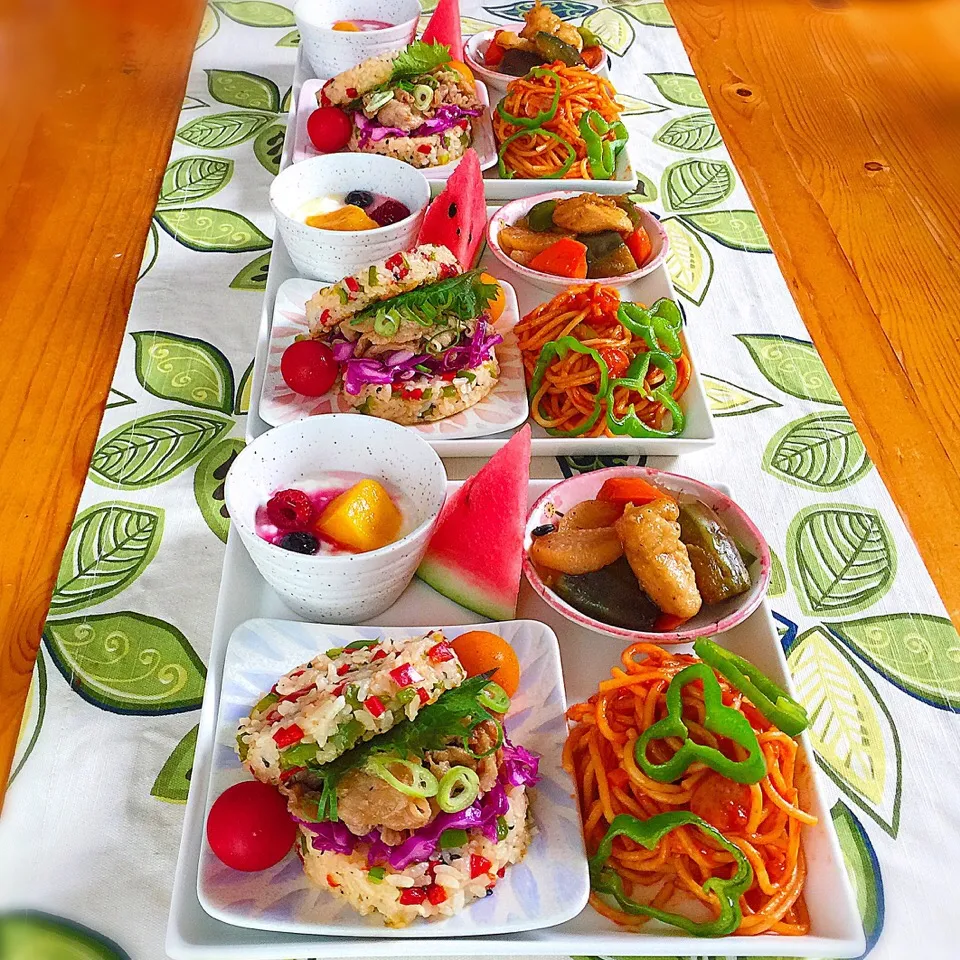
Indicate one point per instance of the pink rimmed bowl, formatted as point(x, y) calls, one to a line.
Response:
point(510, 213)
point(711, 620)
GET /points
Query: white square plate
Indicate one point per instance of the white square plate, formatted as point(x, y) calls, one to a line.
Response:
point(548, 886)
point(483, 140)
point(504, 408)
point(192, 934)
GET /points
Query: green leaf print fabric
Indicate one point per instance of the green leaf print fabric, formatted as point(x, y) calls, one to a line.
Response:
point(91, 825)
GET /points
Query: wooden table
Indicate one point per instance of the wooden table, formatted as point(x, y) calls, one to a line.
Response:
point(840, 117)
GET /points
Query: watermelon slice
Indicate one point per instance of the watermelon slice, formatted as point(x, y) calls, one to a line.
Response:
point(444, 27)
point(476, 552)
point(457, 218)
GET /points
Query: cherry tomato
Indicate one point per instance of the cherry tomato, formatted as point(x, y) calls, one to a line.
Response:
point(308, 368)
point(496, 307)
point(618, 361)
point(722, 802)
point(329, 128)
point(249, 827)
point(480, 651)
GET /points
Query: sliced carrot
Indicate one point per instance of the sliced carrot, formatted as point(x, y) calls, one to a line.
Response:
point(638, 243)
point(630, 490)
point(565, 258)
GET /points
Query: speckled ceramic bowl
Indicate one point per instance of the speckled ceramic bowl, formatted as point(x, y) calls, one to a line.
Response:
point(332, 51)
point(710, 620)
point(340, 588)
point(333, 254)
point(510, 213)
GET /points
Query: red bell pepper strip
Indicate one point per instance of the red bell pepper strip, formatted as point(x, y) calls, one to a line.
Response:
point(639, 245)
point(478, 865)
point(440, 652)
point(286, 736)
point(411, 896)
point(374, 706)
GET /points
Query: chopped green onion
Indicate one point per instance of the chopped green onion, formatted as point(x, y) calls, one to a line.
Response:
point(343, 295)
point(268, 701)
point(459, 787)
point(406, 695)
point(376, 874)
point(351, 695)
point(424, 782)
point(361, 644)
point(502, 829)
point(334, 652)
point(423, 368)
point(422, 96)
point(468, 374)
point(465, 740)
point(449, 391)
point(298, 756)
point(379, 99)
point(242, 748)
point(453, 838)
point(372, 277)
point(495, 698)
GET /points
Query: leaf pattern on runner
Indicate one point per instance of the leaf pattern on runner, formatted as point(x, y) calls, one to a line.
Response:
point(208, 230)
point(634, 106)
point(791, 365)
point(917, 652)
point(571, 466)
point(614, 30)
point(821, 451)
point(33, 935)
point(150, 251)
point(851, 729)
point(292, 39)
point(209, 25)
point(646, 189)
point(841, 557)
point(154, 448)
point(218, 131)
point(193, 178)
point(728, 399)
point(173, 781)
point(109, 546)
point(564, 9)
point(737, 229)
point(268, 147)
point(689, 262)
point(778, 579)
point(257, 13)
point(694, 184)
point(184, 369)
point(863, 869)
point(692, 133)
point(254, 275)
point(31, 723)
point(127, 662)
point(652, 13)
point(680, 88)
point(242, 404)
point(237, 88)
point(208, 484)
point(117, 398)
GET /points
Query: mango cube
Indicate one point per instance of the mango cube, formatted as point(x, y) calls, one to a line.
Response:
point(362, 518)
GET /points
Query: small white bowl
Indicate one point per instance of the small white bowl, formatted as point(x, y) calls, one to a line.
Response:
point(332, 51)
point(474, 54)
point(510, 213)
point(711, 620)
point(333, 254)
point(339, 588)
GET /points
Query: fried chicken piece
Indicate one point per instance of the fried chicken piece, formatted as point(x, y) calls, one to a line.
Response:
point(365, 802)
point(588, 213)
point(658, 558)
point(542, 19)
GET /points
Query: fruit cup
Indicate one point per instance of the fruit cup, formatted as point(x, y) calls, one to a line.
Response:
point(342, 587)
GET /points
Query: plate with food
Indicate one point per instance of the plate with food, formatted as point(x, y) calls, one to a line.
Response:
point(553, 238)
point(645, 555)
point(426, 799)
point(497, 56)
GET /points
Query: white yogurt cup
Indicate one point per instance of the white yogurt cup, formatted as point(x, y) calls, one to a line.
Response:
point(332, 51)
point(343, 587)
point(320, 254)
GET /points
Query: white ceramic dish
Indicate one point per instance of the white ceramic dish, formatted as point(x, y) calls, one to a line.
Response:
point(192, 934)
point(332, 51)
point(345, 587)
point(550, 885)
point(474, 51)
point(333, 254)
point(698, 434)
point(711, 620)
point(510, 213)
point(483, 141)
point(504, 408)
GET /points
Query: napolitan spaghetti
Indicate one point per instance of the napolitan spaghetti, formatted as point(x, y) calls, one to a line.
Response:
point(556, 146)
point(577, 395)
point(763, 820)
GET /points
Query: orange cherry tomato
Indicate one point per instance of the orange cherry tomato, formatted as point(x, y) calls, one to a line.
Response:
point(463, 70)
point(496, 307)
point(721, 802)
point(480, 651)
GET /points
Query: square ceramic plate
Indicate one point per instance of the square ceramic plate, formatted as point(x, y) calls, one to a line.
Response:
point(483, 141)
point(548, 886)
point(504, 408)
point(698, 433)
point(192, 934)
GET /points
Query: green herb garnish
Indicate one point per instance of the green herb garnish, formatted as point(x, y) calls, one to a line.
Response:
point(419, 58)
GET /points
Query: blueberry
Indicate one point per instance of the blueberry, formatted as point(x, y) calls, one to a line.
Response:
point(300, 542)
point(543, 530)
point(360, 198)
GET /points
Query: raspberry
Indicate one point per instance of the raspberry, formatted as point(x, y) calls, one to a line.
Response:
point(390, 211)
point(290, 510)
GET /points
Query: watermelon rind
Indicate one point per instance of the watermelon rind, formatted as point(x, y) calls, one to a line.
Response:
point(455, 587)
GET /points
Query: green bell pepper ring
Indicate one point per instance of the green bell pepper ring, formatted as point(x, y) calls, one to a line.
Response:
point(506, 174)
point(635, 379)
point(602, 154)
point(773, 702)
point(532, 123)
point(659, 325)
point(718, 719)
point(557, 350)
point(648, 833)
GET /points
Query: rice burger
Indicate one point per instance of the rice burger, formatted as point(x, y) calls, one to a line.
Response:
point(417, 106)
point(412, 334)
point(425, 817)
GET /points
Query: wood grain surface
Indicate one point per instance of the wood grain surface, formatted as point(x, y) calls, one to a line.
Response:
point(90, 91)
point(843, 119)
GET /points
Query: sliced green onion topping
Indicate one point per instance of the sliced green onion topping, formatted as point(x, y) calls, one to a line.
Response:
point(495, 698)
point(268, 701)
point(502, 829)
point(422, 96)
point(459, 787)
point(453, 838)
point(424, 782)
point(486, 753)
point(376, 874)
